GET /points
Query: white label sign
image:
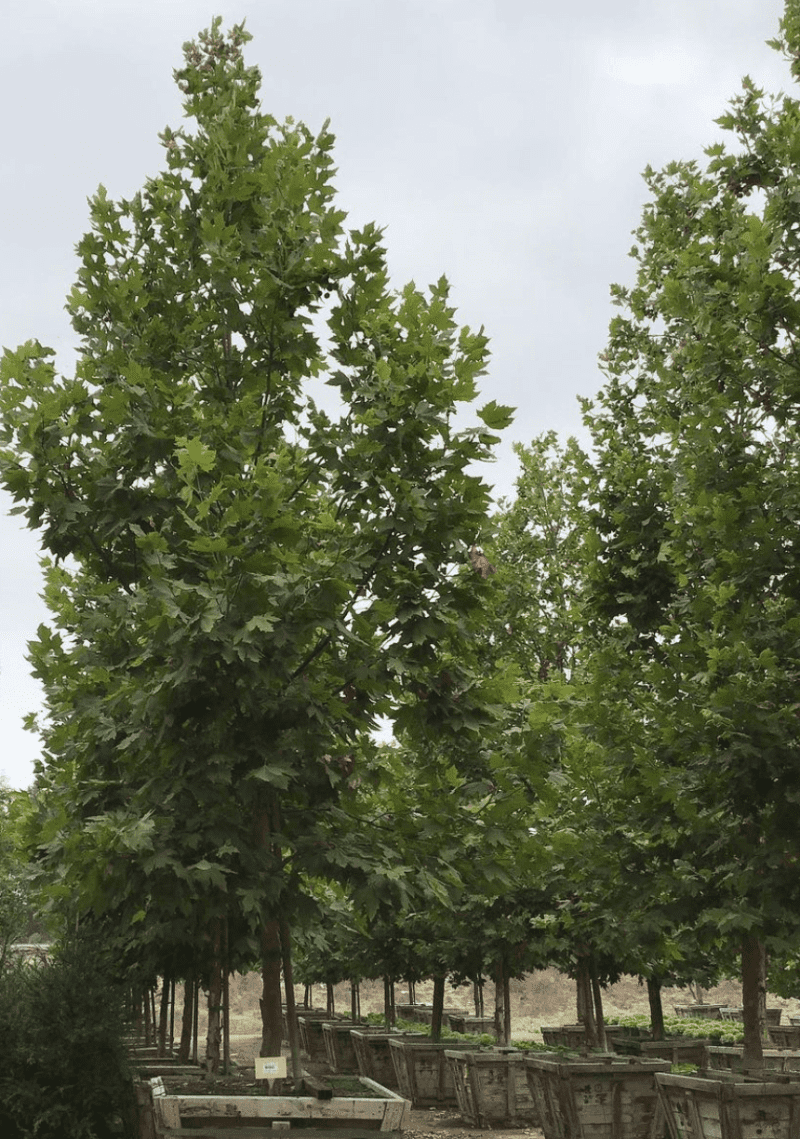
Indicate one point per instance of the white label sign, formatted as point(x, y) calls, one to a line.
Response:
point(270, 1067)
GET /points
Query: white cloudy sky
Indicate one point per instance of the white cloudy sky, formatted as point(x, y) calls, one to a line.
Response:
point(498, 141)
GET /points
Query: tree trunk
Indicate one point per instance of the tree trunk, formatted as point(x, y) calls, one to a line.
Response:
point(506, 1009)
point(172, 1014)
point(438, 1007)
point(331, 998)
point(753, 982)
point(477, 995)
point(499, 1003)
point(163, 1017)
point(586, 1002)
point(355, 1000)
point(597, 993)
point(412, 993)
point(196, 1020)
point(308, 997)
point(186, 1021)
point(291, 1012)
point(656, 1007)
point(389, 1013)
point(214, 1032)
point(146, 1005)
point(270, 1003)
point(580, 1000)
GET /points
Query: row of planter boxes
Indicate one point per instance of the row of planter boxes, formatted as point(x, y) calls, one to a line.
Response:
point(597, 1097)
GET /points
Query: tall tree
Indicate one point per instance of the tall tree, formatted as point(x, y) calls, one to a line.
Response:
point(242, 582)
point(696, 512)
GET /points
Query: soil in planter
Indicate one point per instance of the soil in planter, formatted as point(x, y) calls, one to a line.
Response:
point(245, 1083)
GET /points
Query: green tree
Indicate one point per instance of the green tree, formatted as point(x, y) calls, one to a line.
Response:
point(241, 582)
point(695, 515)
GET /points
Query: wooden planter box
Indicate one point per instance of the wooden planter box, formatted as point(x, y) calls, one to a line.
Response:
point(472, 1024)
point(492, 1089)
point(312, 1040)
point(676, 1049)
point(604, 1099)
point(730, 1059)
point(422, 1073)
point(308, 1014)
point(373, 1055)
point(704, 1011)
point(785, 1035)
point(339, 1048)
point(386, 1112)
point(728, 1106)
point(565, 1036)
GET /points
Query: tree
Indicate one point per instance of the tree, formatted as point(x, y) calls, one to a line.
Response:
point(695, 514)
point(241, 582)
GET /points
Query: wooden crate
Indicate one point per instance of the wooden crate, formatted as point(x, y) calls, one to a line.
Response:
point(731, 1059)
point(422, 1072)
point(785, 1035)
point(312, 1040)
point(492, 1089)
point(472, 1024)
point(374, 1056)
point(588, 1099)
point(387, 1112)
point(339, 1047)
point(729, 1106)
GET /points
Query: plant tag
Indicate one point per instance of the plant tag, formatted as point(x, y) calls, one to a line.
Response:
point(270, 1067)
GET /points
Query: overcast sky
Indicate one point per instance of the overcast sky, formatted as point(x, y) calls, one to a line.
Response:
point(498, 141)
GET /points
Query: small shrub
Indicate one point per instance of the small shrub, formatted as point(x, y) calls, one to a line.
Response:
point(64, 1073)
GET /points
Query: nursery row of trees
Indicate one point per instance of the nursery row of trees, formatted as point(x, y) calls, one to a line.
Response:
point(266, 538)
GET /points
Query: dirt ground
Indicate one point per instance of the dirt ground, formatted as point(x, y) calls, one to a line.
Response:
point(544, 998)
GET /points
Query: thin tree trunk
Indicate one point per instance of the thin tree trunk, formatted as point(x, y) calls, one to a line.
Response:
point(438, 1007)
point(412, 993)
point(499, 1003)
point(172, 1015)
point(753, 969)
point(186, 1021)
point(271, 1004)
point(656, 1007)
point(506, 1009)
point(586, 1002)
point(597, 993)
point(148, 1036)
point(389, 1011)
point(291, 1012)
point(355, 1001)
point(330, 997)
point(214, 1030)
point(196, 1020)
point(163, 1017)
point(153, 1021)
point(308, 998)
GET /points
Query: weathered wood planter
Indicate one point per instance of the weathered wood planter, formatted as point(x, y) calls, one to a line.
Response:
point(339, 1048)
point(731, 1059)
point(472, 1024)
point(703, 1011)
point(312, 1040)
point(382, 1111)
point(603, 1099)
point(729, 1106)
point(785, 1035)
point(676, 1049)
point(492, 1089)
point(308, 1014)
point(422, 1072)
point(565, 1036)
point(373, 1055)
